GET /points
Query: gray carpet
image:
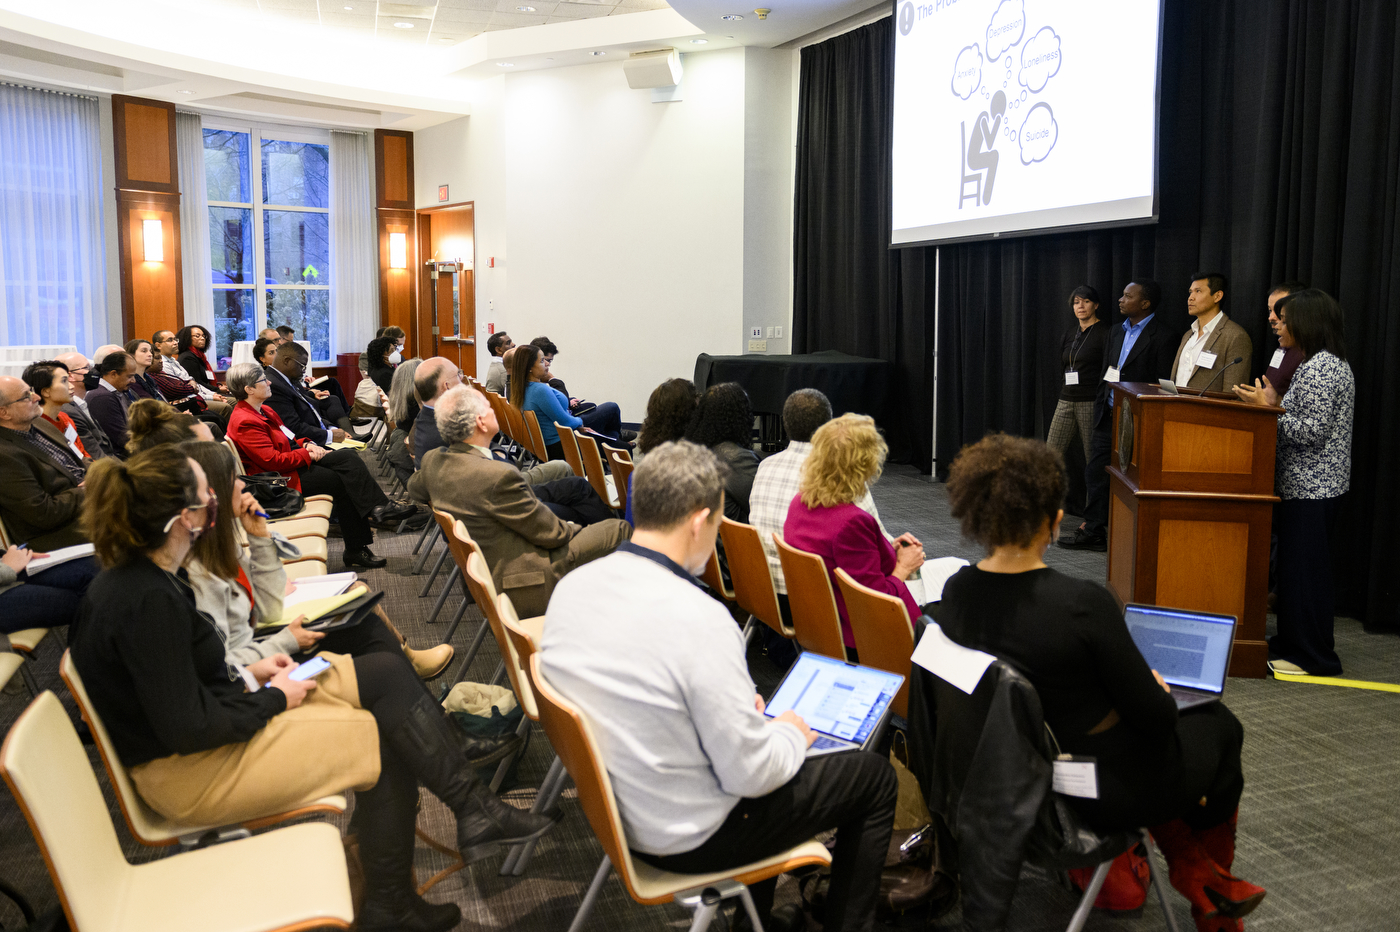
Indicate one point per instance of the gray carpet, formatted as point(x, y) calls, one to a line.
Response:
point(1317, 826)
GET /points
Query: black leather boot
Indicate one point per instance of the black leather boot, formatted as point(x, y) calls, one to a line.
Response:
point(383, 822)
point(425, 741)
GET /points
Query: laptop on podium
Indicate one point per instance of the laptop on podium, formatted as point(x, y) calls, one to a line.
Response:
point(1190, 649)
point(846, 704)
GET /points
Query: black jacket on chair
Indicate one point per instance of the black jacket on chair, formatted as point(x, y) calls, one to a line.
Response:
point(1149, 360)
point(296, 410)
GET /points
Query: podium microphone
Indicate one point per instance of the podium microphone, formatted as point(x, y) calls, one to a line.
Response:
point(1237, 359)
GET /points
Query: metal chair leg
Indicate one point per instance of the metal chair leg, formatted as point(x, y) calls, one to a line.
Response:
point(1086, 902)
point(427, 551)
point(471, 652)
point(519, 856)
point(26, 671)
point(447, 588)
point(705, 914)
point(749, 908)
point(428, 529)
point(437, 567)
point(591, 897)
point(1157, 881)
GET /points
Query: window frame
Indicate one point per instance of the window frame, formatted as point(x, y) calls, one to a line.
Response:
point(257, 133)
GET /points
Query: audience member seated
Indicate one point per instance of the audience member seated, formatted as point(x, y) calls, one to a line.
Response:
point(529, 391)
point(381, 370)
point(142, 385)
point(265, 445)
point(111, 397)
point(669, 410)
point(167, 344)
point(295, 405)
point(40, 494)
point(549, 351)
point(49, 380)
point(285, 334)
point(265, 349)
point(200, 747)
point(192, 344)
point(94, 437)
point(48, 600)
point(239, 582)
point(397, 335)
point(497, 344)
point(152, 423)
point(1178, 773)
point(704, 782)
point(847, 455)
point(403, 412)
point(723, 422)
point(526, 545)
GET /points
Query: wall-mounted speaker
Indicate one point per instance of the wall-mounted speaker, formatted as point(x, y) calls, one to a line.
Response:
point(661, 68)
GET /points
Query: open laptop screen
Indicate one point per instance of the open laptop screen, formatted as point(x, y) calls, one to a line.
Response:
point(835, 698)
point(1189, 649)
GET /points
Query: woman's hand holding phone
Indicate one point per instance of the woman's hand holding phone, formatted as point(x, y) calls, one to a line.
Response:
point(294, 690)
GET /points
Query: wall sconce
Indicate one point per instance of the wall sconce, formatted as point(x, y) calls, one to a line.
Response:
point(398, 250)
point(153, 240)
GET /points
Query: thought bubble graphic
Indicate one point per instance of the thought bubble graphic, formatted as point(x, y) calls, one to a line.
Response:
point(1040, 59)
point(967, 72)
point(1038, 134)
point(1007, 27)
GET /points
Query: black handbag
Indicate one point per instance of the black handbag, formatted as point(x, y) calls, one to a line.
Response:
point(274, 495)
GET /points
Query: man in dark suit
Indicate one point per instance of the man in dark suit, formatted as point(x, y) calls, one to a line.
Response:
point(109, 400)
point(290, 401)
point(1141, 350)
point(40, 497)
point(527, 547)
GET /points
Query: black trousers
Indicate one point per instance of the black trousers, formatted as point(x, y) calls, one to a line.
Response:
point(1303, 577)
point(573, 499)
point(332, 409)
point(368, 637)
point(1096, 477)
point(342, 475)
point(852, 792)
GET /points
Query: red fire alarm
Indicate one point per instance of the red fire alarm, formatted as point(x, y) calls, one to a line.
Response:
point(442, 193)
point(490, 328)
point(491, 262)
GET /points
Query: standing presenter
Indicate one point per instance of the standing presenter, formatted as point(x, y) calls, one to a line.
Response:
point(1081, 359)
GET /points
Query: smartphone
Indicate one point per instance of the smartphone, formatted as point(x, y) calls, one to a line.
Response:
point(312, 668)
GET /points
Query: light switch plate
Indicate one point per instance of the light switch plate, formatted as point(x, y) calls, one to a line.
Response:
point(758, 346)
point(778, 333)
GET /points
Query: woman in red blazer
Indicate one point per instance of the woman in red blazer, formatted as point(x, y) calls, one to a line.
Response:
point(266, 445)
point(847, 455)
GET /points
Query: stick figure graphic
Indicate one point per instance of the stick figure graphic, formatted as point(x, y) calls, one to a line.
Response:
point(984, 134)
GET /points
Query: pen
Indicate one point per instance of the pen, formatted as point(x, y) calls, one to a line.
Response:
point(261, 514)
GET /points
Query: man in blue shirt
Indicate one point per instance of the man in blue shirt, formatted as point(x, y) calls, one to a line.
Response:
point(1140, 350)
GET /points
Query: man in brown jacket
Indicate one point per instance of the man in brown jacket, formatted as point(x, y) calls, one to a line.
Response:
point(40, 494)
point(1214, 341)
point(527, 547)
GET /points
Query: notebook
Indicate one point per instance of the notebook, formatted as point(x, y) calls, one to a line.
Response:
point(1190, 649)
point(844, 703)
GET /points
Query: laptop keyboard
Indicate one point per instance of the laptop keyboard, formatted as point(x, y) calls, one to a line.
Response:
point(823, 742)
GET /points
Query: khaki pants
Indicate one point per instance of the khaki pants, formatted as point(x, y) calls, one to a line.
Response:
point(218, 408)
point(326, 745)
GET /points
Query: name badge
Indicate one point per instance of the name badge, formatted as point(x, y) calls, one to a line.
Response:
point(1075, 776)
point(1206, 360)
point(1112, 375)
point(290, 435)
point(70, 433)
point(209, 374)
point(1071, 377)
point(1277, 359)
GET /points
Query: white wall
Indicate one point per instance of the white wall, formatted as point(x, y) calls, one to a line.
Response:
point(635, 235)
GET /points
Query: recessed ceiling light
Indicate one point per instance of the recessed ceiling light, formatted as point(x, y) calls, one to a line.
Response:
point(699, 41)
point(732, 17)
point(403, 25)
point(526, 9)
point(595, 54)
point(446, 39)
point(184, 92)
point(505, 64)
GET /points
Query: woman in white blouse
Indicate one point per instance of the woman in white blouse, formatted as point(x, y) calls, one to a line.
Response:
point(1312, 471)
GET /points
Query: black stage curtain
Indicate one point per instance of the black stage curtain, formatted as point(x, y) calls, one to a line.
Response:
point(1280, 159)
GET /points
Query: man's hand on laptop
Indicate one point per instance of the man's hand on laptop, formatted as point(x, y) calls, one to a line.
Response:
point(793, 718)
point(1161, 682)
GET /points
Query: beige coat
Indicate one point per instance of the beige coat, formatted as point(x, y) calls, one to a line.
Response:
point(1226, 341)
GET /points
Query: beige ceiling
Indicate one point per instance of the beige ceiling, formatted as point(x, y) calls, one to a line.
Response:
point(444, 22)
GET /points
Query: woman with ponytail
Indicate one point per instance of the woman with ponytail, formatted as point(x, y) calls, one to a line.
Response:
point(209, 743)
point(152, 423)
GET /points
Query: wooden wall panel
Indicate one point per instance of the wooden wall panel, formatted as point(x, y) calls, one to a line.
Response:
point(152, 296)
point(144, 138)
point(393, 169)
point(397, 286)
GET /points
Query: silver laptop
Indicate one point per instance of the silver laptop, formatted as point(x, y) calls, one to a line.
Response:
point(1190, 649)
point(844, 703)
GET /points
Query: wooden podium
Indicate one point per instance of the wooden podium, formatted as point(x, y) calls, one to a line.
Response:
point(1191, 496)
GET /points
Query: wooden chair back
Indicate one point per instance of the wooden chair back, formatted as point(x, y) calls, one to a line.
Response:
point(521, 642)
point(753, 580)
point(816, 622)
point(620, 463)
point(713, 576)
point(532, 428)
point(883, 632)
point(569, 442)
point(593, 468)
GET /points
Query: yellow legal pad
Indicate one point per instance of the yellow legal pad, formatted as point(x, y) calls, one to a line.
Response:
point(1338, 681)
point(317, 608)
point(347, 445)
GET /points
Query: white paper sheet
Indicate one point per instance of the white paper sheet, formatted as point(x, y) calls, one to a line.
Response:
point(56, 557)
point(935, 574)
point(309, 588)
point(961, 666)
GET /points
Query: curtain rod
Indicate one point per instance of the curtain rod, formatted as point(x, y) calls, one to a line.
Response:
point(45, 90)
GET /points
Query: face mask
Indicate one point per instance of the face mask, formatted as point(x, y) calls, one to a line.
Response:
point(396, 357)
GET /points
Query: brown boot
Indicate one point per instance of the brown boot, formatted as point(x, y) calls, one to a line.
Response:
point(1217, 897)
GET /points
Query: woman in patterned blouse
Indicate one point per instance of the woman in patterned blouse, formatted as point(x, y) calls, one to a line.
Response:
point(1313, 470)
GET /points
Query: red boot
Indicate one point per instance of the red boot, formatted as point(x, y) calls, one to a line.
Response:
point(1217, 897)
point(1219, 841)
point(1125, 887)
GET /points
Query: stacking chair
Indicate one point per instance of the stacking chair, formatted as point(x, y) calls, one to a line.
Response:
point(883, 632)
point(572, 736)
point(517, 430)
point(569, 442)
point(620, 465)
point(318, 506)
point(146, 825)
point(602, 483)
point(523, 638)
point(753, 581)
point(444, 523)
point(713, 577)
point(816, 622)
point(304, 568)
point(532, 430)
point(46, 769)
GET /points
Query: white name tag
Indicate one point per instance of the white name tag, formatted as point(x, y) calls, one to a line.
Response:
point(209, 374)
point(70, 433)
point(1076, 776)
point(290, 435)
point(1206, 360)
point(1071, 377)
point(1111, 375)
point(1277, 359)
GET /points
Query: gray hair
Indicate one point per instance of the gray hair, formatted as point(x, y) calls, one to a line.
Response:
point(457, 410)
point(401, 391)
point(676, 480)
point(242, 376)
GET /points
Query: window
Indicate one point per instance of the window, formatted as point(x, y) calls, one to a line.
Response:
point(269, 235)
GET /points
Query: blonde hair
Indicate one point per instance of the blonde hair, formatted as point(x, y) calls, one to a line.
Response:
point(847, 455)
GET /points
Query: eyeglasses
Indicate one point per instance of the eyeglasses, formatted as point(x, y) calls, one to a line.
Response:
point(25, 397)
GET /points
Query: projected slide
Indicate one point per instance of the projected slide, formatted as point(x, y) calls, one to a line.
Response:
point(1022, 115)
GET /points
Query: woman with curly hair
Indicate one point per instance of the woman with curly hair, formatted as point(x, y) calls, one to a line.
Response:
point(1178, 773)
point(847, 455)
point(669, 409)
point(723, 421)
